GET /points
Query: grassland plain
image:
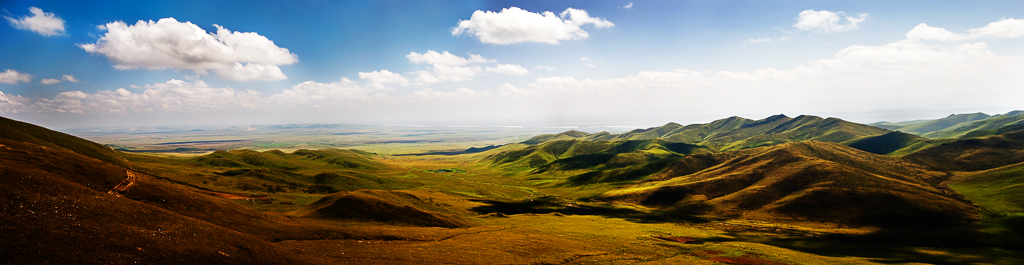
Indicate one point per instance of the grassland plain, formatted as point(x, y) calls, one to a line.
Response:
point(335, 206)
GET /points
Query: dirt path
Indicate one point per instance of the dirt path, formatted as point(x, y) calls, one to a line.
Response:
point(124, 185)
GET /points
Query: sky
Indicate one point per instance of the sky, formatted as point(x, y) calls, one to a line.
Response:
point(636, 63)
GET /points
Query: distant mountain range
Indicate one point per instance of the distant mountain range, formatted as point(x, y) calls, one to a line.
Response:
point(956, 125)
point(781, 168)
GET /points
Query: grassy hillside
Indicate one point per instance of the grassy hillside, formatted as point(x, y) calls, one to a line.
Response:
point(394, 207)
point(735, 133)
point(996, 190)
point(956, 125)
point(812, 181)
point(25, 132)
point(973, 154)
point(55, 209)
point(894, 143)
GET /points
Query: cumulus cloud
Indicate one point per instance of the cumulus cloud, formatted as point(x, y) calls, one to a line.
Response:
point(46, 24)
point(825, 21)
point(545, 67)
point(628, 6)
point(12, 103)
point(508, 69)
point(1004, 28)
point(514, 25)
point(344, 94)
point(167, 43)
point(70, 78)
point(377, 79)
point(448, 67)
point(11, 76)
point(446, 58)
point(50, 81)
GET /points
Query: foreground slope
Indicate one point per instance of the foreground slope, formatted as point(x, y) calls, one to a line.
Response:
point(56, 208)
point(25, 132)
point(811, 181)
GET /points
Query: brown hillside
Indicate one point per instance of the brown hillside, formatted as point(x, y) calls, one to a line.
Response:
point(974, 154)
point(55, 208)
point(813, 181)
point(395, 207)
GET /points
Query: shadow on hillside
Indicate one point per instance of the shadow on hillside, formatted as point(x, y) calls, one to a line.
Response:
point(549, 204)
point(995, 242)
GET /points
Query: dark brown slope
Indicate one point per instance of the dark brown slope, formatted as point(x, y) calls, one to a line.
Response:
point(814, 181)
point(394, 207)
point(54, 208)
point(25, 132)
point(974, 154)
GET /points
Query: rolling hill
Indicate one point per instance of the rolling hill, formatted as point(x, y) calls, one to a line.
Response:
point(806, 181)
point(955, 125)
point(975, 153)
point(735, 133)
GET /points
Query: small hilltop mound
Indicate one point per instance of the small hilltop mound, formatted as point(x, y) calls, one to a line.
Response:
point(394, 207)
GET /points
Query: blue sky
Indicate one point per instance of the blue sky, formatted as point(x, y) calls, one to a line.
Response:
point(639, 63)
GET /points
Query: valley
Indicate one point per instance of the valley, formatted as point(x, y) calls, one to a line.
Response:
point(780, 190)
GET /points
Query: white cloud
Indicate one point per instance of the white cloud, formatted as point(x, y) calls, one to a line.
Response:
point(11, 76)
point(590, 65)
point(446, 58)
point(826, 21)
point(12, 103)
point(759, 40)
point(344, 94)
point(628, 6)
point(46, 24)
point(514, 25)
point(167, 43)
point(1004, 28)
point(507, 89)
point(250, 72)
point(447, 73)
point(174, 96)
point(448, 67)
point(70, 78)
point(50, 81)
point(377, 79)
point(545, 67)
point(508, 69)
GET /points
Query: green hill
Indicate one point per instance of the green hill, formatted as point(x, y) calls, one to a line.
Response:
point(956, 125)
point(973, 154)
point(737, 133)
point(996, 190)
point(805, 181)
point(894, 143)
point(395, 207)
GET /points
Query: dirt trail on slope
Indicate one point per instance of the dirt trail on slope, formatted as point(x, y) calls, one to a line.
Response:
point(124, 185)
